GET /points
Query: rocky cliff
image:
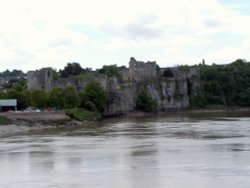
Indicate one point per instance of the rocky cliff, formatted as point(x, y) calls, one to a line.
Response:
point(171, 88)
point(170, 93)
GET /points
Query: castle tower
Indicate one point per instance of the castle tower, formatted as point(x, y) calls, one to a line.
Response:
point(41, 79)
point(139, 70)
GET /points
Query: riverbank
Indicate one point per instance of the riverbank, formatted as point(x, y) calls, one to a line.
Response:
point(28, 121)
point(188, 111)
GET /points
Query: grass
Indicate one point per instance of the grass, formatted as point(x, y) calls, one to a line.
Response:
point(217, 107)
point(4, 120)
point(85, 75)
point(81, 114)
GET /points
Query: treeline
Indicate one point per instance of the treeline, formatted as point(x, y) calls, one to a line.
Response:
point(71, 69)
point(75, 69)
point(13, 74)
point(227, 85)
point(92, 98)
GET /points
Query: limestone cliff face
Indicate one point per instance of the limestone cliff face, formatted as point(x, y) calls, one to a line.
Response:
point(174, 94)
point(79, 83)
point(119, 100)
point(170, 87)
point(170, 93)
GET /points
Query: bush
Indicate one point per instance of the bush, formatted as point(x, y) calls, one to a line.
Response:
point(145, 102)
point(81, 114)
point(95, 94)
point(4, 120)
point(39, 98)
point(71, 99)
point(56, 98)
point(90, 106)
point(197, 99)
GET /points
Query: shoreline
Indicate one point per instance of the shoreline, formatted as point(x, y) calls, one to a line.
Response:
point(186, 111)
point(35, 121)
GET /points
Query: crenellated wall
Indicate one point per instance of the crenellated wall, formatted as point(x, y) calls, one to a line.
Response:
point(79, 83)
point(139, 71)
point(41, 79)
point(171, 88)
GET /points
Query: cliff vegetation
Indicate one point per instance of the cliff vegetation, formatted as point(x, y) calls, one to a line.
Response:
point(143, 86)
point(223, 85)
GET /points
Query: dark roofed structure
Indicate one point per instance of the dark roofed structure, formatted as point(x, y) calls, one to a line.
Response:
point(8, 104)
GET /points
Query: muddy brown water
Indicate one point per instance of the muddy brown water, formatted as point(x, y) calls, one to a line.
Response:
point(177, 150)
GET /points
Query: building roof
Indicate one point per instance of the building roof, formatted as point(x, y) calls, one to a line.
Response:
point(8, 102)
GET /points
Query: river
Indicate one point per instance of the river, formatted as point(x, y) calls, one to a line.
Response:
point(166, 151)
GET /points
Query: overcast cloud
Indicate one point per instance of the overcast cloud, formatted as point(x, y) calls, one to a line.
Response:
point(36, 34)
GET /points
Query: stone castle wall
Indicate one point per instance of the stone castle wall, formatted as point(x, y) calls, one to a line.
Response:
point(41, 79)
point(139, 71)
point(171, 88)
point(79, 83)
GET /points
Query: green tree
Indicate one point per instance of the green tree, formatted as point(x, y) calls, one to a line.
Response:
point(93, 97)
point(72, 69)
point(145, 102)
point(56, 98)
point(39, 98)
point(14, 73)
point(71, 99)
point(197, 99)
point(3, 95)
point(19, 91)
point(110, 71)
point(245, 98)
point(55, 74)
point(225, 84)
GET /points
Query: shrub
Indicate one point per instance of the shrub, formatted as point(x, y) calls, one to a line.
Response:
point(95, 94)
point(71, 99)
point(81, 114)
point(4, 120)
point(145, 102)
point(90, 106)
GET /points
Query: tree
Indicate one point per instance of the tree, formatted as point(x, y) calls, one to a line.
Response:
point(145, 102)
point(72, 69)
point(3, 95)
point(55, 74)
point(39, 98)
point(93, 97)
point(56, 98)
point(197, 99)
point(71, 99)
point(110, 71)
point(225, 84)
point(14, 73)
point(245, 97)
point(19, 91)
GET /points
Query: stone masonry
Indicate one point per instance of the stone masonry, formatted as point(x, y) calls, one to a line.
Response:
point(170, 87)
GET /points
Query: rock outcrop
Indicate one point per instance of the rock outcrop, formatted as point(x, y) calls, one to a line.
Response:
point(169, 87)
point(169, 93)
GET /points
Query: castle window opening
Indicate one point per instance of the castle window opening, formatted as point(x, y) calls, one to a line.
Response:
point(181, 96)
point(169, 99)
point(168, 73)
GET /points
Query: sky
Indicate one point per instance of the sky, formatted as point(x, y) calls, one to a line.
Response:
point(50, 33)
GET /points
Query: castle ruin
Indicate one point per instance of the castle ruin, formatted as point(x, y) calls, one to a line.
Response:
point(170, 87)
point(40, 79)
point(139, 71)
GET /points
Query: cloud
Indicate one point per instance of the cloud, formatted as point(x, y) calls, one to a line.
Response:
point(136, 31)
point(34, 34)
point(143, 28)
point(210, 23)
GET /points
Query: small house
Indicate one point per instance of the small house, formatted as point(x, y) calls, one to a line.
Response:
point(8, 104)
